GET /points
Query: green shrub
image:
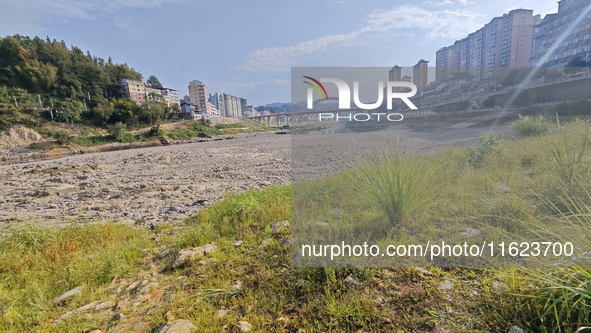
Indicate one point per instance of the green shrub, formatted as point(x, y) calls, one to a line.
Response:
point(395, 185)
point(571, 152)
point(155, 131)
point(180, 134)
point(486, 146)
point(117, 131)
point(4, 125)
point(61, 136)
point(204, 130)
point(127, 137)
point(235, 125)
point(531, 126)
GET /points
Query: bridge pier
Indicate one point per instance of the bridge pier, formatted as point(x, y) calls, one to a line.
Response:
point(260, 121)
point(277, 120)
point(269, 121)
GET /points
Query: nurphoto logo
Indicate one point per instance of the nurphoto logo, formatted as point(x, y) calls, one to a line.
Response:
point(345, 93)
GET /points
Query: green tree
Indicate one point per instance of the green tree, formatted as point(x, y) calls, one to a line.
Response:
point(153, 82)
point(102, 112)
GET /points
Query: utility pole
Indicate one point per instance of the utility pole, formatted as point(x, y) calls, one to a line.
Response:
point(40, 104)
point(15, 103)
point(51, 110)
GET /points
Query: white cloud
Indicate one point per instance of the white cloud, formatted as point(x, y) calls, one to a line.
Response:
point(28, 17)
point(436, 24)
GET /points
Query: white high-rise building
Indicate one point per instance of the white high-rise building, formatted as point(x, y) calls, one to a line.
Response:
point(198, 95)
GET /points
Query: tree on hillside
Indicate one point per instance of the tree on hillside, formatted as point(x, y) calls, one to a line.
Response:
point(153, 82)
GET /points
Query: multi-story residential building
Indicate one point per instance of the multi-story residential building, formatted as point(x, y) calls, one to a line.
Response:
point(198, 95)
point(233, 106)
point(168, 95)
point(505, 42)
point(171, 96)
point(419, 74)
point(187, 99)
point(134, 90)
point(395, 74)
point(218, 100)
point(249, 111)
point(243, 104)
point(560, 37)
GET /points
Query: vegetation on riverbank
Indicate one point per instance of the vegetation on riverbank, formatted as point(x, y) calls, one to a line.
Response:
point(523, 186)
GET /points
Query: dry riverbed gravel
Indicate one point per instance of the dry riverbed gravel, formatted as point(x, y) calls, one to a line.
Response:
point(167, 183)
point(140, 186)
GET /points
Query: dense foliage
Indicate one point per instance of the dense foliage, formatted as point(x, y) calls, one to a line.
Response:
point(36, 74)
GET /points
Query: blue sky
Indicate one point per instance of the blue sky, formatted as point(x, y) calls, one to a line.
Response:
point(247, 48)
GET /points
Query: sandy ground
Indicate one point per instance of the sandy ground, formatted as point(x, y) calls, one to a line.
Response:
point(155, 184)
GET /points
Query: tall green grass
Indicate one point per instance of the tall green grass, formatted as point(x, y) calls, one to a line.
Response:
point(38, 263)
point(531, 126)
point(394, 184)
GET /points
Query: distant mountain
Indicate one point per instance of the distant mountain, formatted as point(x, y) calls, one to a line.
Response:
point(278, 105)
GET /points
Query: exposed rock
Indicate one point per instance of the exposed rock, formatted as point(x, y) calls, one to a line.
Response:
point(118, 317)
point(469, 232)
point(132, 288)
point(220, 313)
point(148, 287)
point(242, 326)
point(277, 227)
point(266, 242)
point(385, 320)
point(286, 242)
point(185, 256)
point(237, 243)
point(122, 305)
point(169, 316)
point(177, 326)
point(18, 136)
point(103, 306)
point(167, 298)
point(138, 298)
point(243, 311)
point(238, 285)
point(498, 286)
point(66, 295)
point(445, 285)
point(335, 211)
point(165, 253)
point(423, 271)
point(140, 327)
point(87, 306)
point(516, 329)
point(352, 281)
point(321, 225)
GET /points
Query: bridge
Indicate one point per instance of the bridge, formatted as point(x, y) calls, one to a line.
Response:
point(331, 106)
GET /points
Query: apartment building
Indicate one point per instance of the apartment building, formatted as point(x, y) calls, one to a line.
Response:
point(233, 106)
point(503, 43)
point(134, 90)
point(198, 95)
point(171, 96)
point(419, 74)
point(560, 37)
point(168, 95)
